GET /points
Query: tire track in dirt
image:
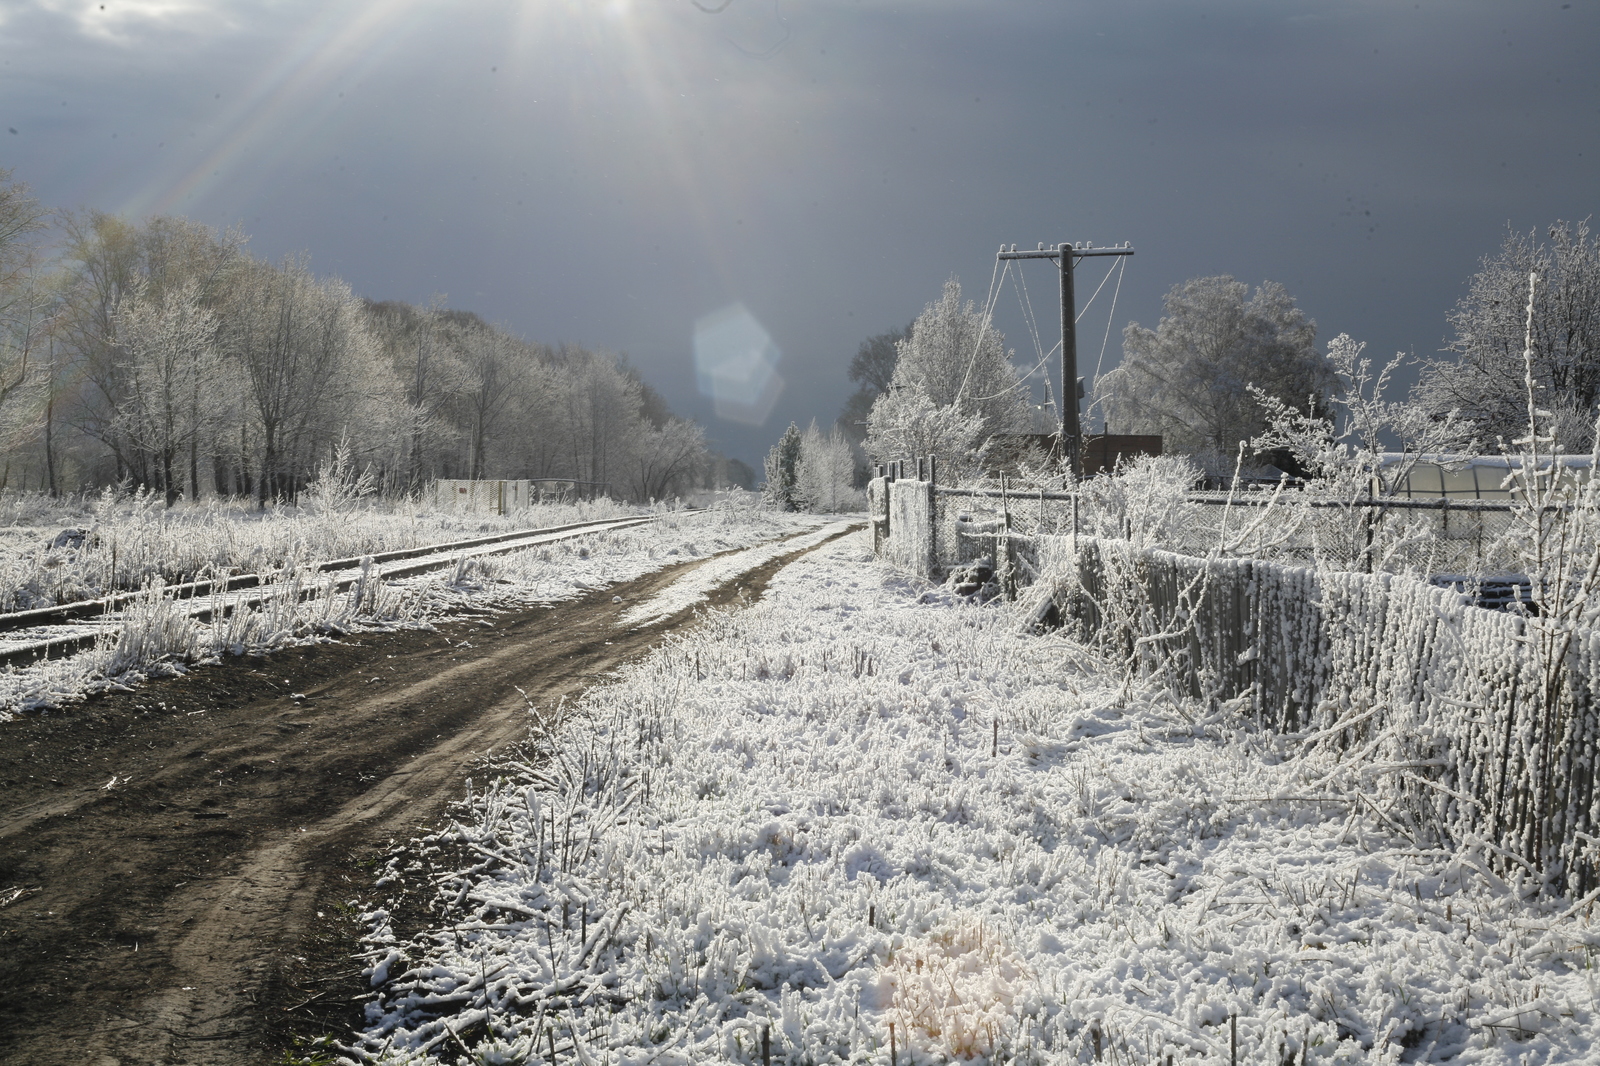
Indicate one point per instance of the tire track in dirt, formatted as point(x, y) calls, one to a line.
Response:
point(175, 917)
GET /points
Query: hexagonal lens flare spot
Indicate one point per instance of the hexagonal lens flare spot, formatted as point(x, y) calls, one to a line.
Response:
point(736, 365)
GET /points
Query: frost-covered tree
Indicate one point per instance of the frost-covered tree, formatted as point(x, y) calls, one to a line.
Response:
point(1190, 378)
point(1483, 375)
point(954, 373)
point(312, 375)
point(665, 460)
point(108, 264)
point(419, 344)
point(178, 389)
point(905, 422)
point(26, 306)
point(825, 473)
point(600, 409)
point(194, 367)
point(22, 219)
point(495, 363)
point(783, 469)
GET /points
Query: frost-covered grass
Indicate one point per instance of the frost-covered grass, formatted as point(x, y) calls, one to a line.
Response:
point(851, 807)
point(158, 638)
point(129, 539)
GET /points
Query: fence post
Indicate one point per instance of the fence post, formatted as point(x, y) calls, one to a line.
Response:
point(1008, 577)
point(888, 509)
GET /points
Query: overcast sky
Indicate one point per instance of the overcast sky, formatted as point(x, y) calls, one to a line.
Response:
point(608, 171)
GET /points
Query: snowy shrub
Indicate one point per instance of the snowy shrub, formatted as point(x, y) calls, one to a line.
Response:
point(338, 486)
point(1146, 502)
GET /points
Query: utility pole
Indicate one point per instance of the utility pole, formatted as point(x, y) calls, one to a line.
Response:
point(1071, 433)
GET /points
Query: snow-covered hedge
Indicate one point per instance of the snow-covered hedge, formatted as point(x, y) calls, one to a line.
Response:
point(1435, 703)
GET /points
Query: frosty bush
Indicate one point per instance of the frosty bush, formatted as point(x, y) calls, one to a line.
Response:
point(1145, 502)
point(338, 486)
point(782, 466)
point(1349, 448)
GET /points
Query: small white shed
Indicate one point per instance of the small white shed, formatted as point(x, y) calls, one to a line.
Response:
point(482, 497)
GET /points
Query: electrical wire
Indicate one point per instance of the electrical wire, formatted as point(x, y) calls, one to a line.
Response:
point(1102, 285)
point(988, 316)
point(1027, 310)
point(1110, 317)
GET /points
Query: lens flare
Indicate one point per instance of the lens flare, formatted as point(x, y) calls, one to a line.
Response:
point(736, 365)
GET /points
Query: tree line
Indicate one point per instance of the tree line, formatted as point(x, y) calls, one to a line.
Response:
point(163, 354)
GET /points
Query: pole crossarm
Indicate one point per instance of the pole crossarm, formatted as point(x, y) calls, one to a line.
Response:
point(1070, 436)
point(1055, 252)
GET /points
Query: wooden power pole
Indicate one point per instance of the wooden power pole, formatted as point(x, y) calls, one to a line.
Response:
point(1071, 433)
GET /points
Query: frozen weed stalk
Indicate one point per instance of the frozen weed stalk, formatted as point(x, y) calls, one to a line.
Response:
point(958, 990)
point(1557, 532)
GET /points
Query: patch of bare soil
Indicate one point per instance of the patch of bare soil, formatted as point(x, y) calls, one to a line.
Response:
point(186, 853)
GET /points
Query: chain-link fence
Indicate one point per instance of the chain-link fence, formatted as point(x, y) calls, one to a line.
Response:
point(1443, 539)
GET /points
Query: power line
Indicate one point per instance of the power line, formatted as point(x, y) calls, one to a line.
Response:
point(1067, 256)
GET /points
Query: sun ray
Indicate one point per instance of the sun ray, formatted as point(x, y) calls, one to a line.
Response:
point(341, 40)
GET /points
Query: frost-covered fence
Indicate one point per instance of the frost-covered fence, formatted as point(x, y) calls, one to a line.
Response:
point(1462, 542)
point(1435, 703)
point(1444, 537)
point(1434, 700)
point(903, 523)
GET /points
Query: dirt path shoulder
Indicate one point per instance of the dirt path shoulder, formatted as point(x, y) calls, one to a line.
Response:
point(184, 853)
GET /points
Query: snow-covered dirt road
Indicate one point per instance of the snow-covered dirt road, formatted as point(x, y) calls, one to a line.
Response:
point(862, 821)
point(176, 861)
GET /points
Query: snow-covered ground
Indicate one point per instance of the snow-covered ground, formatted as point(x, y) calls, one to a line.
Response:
point(859, 808)
point(692, 588)
point(159, 638)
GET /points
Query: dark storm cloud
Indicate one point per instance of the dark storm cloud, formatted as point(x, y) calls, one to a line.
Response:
point(610, 173)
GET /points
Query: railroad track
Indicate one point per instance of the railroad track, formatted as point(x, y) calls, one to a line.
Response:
point(26, 636)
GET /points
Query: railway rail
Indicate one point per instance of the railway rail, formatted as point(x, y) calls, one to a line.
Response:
point(51, 632)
